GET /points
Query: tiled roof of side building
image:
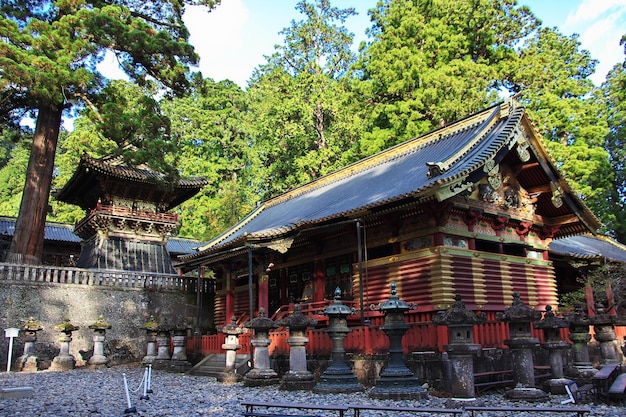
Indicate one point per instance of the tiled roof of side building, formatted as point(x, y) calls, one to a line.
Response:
point(586, 246)
point(60, 232)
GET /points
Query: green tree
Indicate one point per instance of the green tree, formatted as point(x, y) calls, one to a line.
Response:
point(614, 98)
point(49, 51)
point(552, 79)
point(432, 62)
point(208, 125)
point(303, 117)
point(122, 114)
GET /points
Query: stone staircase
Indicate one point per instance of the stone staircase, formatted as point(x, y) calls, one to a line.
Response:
point(213, 365)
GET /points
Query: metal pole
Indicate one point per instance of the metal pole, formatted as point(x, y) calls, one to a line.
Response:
point(250, 292)
point(198, 298)
point(360, 262)
point(250, 295)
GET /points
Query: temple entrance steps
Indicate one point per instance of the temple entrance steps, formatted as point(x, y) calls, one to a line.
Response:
point(213, 365)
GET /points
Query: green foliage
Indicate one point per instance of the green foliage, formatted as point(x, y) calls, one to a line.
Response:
point(49, 51)
point(212, 143)
point(431, 63)
point(552, 77)
point(614, 101)
point(302, 115)
point(611, 276)
point(12, 177)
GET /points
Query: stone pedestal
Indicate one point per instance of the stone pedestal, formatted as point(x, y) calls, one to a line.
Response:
point(261, 373)
point(64, 361)
point(604, 326)
point(151, 347)
point(298, 377)
point(98, 359)
point(179, 361)
point(28, 362)
point(551, 326)
point(461, 348)
point(164, 356)
point(231, 346)
point(151, 327)
point(521, 343)
point(338, 377)
point(396, 381)
point(579, 336)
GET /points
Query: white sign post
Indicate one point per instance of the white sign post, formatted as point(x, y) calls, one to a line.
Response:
point(11, 332)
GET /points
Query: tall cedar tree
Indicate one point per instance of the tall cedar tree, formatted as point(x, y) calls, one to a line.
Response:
point(302, 120)
point(432, 62)
point(614, 96)
point(49, 50)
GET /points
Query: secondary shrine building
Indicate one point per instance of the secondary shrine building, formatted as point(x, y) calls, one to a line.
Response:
point(128, 217)
point(468, 209)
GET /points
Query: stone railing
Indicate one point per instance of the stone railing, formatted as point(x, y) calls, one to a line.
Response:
point(91, 277)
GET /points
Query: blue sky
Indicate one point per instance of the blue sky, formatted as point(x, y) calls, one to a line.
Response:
point(233, 38)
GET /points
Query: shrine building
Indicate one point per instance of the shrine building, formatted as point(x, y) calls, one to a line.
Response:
point(128, 220)
point(469, 209)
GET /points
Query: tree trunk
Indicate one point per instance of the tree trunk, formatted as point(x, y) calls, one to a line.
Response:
point(27, 244)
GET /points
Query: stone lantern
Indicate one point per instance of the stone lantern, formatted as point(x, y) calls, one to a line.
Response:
point(261, 374)
point(98, 359)
point(521, 343)
point(179, 353)
point(396, 381)
point(338, 377)
point(461, 347)
point(28, 361)
point(298, 377)
point(604, 327)
point(551, 326)
point(231, 346)
point(151, 327)
point(64, 361)
point(579, 335)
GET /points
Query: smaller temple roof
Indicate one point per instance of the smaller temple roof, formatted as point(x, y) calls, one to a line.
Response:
point(95, 176)
point(589, 247)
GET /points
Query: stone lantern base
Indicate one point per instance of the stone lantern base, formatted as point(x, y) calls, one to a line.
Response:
point(28, 363)
point(526, 394)
point(297, 380)
point(556, 385)
point(63, 363)
point(406, 389)
point(261, 378)
point(338, 379)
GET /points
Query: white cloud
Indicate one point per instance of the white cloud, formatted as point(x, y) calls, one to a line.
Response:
point(218, 38)
point(600, 25)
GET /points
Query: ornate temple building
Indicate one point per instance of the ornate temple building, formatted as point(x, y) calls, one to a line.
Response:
point(469, 209)
point(128, 214)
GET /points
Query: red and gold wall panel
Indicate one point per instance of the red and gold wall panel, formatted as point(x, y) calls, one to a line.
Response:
point(432, 277)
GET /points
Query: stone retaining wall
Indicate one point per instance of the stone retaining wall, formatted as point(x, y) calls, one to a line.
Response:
point(126, 309)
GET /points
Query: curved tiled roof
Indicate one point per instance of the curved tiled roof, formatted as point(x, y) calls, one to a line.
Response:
point(589, 247)
point(60, 232)
point(445, 160)
point(96, 176)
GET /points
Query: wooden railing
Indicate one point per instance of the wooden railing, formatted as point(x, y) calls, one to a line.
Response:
point(91, 277)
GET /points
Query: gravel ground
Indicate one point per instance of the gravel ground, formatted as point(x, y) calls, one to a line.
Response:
point(100, 392)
